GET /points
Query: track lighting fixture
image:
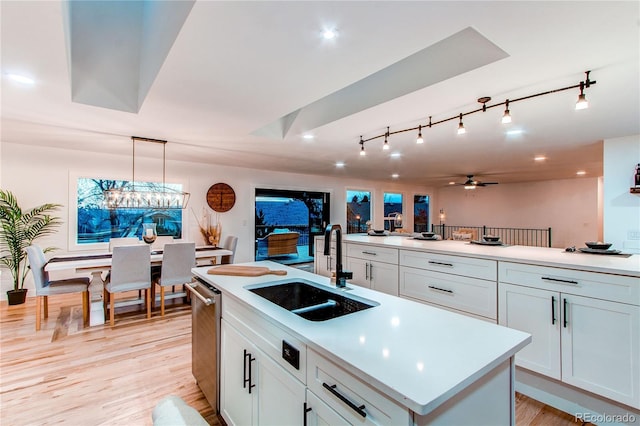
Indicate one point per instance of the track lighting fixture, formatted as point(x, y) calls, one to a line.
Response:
point(582, 100)
point(461, 129)
point(362, 151)
point(506, 118)
point(386, 140)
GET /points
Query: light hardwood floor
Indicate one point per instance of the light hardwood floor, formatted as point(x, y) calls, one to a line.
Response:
point(67, 374)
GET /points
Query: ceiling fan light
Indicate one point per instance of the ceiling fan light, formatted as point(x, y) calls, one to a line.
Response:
point(470, 186)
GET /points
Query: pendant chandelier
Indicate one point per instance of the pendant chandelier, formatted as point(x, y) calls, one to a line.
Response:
point(137, 195)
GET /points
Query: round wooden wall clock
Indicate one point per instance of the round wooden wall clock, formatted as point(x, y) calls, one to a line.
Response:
point(221, 197)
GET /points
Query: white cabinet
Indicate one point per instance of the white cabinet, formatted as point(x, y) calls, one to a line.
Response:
point(321, 414)
point(254, 389)
point(462, 284)
point(583, 341)
point(373, 267)
point(324, 265)
point(534, 311)
point(349, 399)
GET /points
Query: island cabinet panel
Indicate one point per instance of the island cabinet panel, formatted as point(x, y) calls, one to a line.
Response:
point(488, 401)
point(583, 340)
point(485, 269)
point(351, 397)
point(254, 389)
point(468, 295)
point(373, 267)
point(321, 414)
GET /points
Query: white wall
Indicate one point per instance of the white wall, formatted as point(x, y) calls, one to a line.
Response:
point(38, 175)
point(569, 207)
point(621, 213)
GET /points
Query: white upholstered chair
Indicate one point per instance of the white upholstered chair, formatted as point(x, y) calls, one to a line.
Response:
point(46, 287)
point(230, 243)
point(130, 270)
point(177, 261)
point(161, 241)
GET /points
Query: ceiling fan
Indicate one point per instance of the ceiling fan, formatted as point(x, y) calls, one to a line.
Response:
point(471, 183)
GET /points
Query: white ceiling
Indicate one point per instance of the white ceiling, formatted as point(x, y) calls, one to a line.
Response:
point(240, 70)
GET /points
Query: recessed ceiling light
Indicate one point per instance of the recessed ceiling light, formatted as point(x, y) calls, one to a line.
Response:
point(307, 136)
point(514, 132)
point(539, 158)
point(21, 79)
point(395, 176)
point(339, 164)
point(452, 183)
point(581, 173)
point(329, 34)
point(395, 155)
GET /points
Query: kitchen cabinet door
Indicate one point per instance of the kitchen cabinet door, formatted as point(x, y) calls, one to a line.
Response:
point(600, 347)
point(237, 405)
point(536, 312)
point(280, 396)
point(320, 414)
point(324, 265)
point(384, 277)
point(360, 270)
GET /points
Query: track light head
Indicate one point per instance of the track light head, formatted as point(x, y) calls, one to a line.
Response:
point(506, 118)
point(362, 151)
point(582, 100)
point(386, 140)
point(461, 129)
point(419, 139)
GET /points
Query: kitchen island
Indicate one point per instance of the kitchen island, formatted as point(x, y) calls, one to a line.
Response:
point(399, 362)
point(582, 309)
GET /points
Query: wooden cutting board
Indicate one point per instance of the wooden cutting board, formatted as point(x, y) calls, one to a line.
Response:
point(245, 271)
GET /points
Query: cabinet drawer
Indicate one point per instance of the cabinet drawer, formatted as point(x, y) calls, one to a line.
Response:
point(347, 395)
point(616, 288)
point(479, 297)
point(267, 336)
point(368, 252)
point(467, 266)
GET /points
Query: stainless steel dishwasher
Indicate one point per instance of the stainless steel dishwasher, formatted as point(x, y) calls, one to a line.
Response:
point(205, 339)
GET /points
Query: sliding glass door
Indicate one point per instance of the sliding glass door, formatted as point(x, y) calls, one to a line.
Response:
point(280, 211)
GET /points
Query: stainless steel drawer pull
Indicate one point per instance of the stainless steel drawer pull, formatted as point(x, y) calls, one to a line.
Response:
point(557, 280)
point(354, 407)
point(440, 289)
point(372, 253)
point(433, 262)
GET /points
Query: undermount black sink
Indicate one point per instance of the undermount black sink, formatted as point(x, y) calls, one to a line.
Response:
point(310, 301)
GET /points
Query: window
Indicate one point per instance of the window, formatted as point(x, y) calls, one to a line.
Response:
point(358, 211)
point(392, 211)
point(97, 224)
point(420, 213)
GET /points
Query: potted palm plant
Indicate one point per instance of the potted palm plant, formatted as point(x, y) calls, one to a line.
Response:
point(18, 230)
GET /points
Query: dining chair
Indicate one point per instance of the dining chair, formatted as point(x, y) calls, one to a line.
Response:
point(177, 261)
point(124, 241)
point(130, 270)
point(46, 287)
point(230, 243)
point(161, 241)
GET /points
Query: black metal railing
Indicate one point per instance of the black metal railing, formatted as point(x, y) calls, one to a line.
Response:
point(535, 237)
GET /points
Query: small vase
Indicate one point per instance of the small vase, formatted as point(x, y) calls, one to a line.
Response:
point(149, 233)
point(17, 297)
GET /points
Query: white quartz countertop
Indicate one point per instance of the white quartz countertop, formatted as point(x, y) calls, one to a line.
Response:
point(418, 355)
point(545, 256)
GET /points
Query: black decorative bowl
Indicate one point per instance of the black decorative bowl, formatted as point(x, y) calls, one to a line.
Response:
point(598, 245)
point(378, 231)
point(492, 238)
point(428, 234)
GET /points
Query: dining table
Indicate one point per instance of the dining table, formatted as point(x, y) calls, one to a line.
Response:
point(98, 263)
